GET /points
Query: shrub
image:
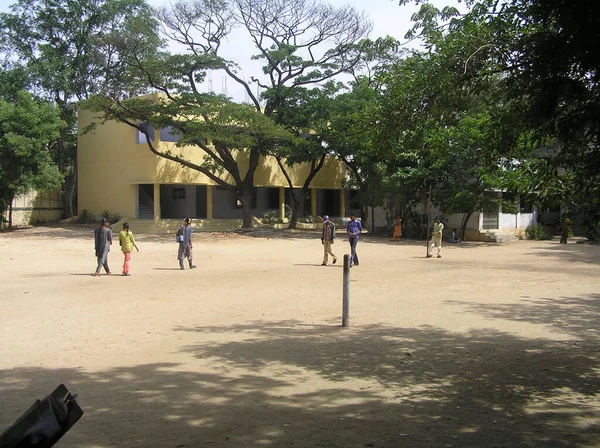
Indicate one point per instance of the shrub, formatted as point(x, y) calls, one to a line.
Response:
point(111, 217)
point(538, 232)
point(86, 217)
point(269, 217)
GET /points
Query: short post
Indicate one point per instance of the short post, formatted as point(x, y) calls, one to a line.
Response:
point(346, 293)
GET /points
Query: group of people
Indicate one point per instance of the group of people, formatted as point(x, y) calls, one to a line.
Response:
point(103, 241)
point(353, 229)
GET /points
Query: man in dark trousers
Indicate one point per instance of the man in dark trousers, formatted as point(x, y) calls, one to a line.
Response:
point(353, 228)
point(102, 242)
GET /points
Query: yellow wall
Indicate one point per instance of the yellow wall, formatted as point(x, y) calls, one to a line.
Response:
point(111, 164)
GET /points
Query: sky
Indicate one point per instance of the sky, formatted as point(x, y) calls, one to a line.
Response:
point(386, 16)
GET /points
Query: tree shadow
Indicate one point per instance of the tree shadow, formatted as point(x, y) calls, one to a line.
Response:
point(374, 386)
point(481, 389)
point(586, 253)
point(579, 316)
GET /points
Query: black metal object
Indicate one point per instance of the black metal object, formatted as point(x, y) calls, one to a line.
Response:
point(45, 422)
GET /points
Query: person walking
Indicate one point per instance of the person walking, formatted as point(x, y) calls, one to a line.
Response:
point(102, 242)
point(327, 239)
point(353, 228)
point(436, 239)
point(127, 243)
point(184, 238)
point(397, 229)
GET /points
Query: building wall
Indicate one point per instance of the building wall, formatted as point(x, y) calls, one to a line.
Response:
point(111, 164)
point(178, 208)
point(36, 207)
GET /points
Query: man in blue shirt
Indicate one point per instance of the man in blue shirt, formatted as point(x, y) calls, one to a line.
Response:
point(353, 228)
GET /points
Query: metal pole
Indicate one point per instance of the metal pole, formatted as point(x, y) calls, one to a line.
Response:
point(346, 293)
point(428, 218)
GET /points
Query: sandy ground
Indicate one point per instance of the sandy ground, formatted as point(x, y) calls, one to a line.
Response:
point(490, 346)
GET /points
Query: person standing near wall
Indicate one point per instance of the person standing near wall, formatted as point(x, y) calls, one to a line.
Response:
point(327, 239)
point(353, 228)
point(436, 238)
point(102, 242)
point(184, 238)
point(127, 243)
point(397, 229)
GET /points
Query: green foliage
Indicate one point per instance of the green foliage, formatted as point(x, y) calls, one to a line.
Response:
point(110, 216)
point(69, 50)
point(27, 126)
point(86, 217)
point(538, 232)
point(271, 218)
point(256, 130)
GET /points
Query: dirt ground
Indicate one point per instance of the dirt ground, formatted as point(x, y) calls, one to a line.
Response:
point(489, 346)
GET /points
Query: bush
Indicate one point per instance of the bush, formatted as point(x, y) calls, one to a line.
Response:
point(538, 232)
point(111, 217)
point(269, 217)
point(86, 217)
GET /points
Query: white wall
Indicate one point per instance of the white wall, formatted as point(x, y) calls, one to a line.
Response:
point(526, 220)
point(507, 221)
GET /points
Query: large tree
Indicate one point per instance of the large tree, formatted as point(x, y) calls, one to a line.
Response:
point(301, 44)
point(27, 128)
point(71, 50)
point(448, 119)
point(547, 53)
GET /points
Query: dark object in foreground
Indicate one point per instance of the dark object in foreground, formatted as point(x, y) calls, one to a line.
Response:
point(45, 422)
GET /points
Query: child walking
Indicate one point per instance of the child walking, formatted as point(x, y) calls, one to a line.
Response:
point(127, 243)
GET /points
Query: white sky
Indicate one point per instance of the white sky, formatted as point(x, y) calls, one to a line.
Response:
point(386, 16)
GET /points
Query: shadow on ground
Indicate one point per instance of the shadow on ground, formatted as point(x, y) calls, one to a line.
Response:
point(587, 253)
point(375, 386)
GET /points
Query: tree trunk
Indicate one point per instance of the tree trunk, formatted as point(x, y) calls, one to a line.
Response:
point(315, 166)
point(463, 226)
point(364, 215)
point(372, 219)
point(10, 210)
point(245, 198)
point(296, 204)
point(69, 191)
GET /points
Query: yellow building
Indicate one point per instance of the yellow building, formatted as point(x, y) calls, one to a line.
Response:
point(117, 172)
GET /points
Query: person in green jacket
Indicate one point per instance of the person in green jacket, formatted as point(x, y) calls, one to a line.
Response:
point(127, 243)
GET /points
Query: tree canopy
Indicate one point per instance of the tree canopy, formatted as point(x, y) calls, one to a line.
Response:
point(27, 127)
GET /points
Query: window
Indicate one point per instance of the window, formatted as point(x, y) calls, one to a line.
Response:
point(140, 137)
point(169, 135)
point(178, 193)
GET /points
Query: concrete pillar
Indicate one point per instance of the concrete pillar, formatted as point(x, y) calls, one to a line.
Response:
point(156, 202)
point(281, 202)
point(209, 202)
point(313, 202)
point(342, 202)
